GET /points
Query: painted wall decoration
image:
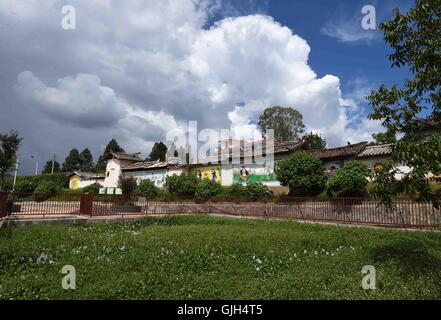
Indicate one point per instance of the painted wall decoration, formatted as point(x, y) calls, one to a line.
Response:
point(378, 166)
point(246, 173)
point(209, 172)
point(73, 183)
point(156, 176)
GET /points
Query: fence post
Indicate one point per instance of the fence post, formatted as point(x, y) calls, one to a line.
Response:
point(86, 204)
point(3, 204)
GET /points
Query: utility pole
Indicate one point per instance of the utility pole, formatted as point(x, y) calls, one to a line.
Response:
point(36, 164)
point(53, 163)
point(15, 175)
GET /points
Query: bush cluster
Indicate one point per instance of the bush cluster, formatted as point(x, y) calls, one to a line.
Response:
point(183, 185)
point(303, 173)
point(206, 189)
point(146, 188)
point(28, 184)
point(45, 190)
point(350, 181)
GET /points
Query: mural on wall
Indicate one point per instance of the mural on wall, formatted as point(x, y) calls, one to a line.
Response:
point(246, 173)
point(74, 182)
point(378, 166)
point(208, 172)
point(156, 176)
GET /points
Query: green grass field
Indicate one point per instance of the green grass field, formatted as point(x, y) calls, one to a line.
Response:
point(204, 257)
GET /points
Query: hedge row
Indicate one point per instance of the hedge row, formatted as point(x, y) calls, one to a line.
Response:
point(45, 183)
point(189, 186)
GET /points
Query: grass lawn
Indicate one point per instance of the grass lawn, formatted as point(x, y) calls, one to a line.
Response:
point(200, 257)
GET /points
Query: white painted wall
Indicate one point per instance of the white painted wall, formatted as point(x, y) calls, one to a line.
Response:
point(84, 183)
point(226, 174)
point(113, 171)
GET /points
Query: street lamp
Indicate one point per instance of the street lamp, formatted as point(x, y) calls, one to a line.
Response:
point(36, 164)
point(15, 173)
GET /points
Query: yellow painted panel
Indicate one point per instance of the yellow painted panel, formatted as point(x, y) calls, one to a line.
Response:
point(73, 183)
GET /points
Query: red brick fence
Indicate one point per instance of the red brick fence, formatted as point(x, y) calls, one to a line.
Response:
point(361, 211)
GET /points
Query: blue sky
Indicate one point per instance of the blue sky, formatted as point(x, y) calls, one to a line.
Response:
point(360, 64)
point(138, 70)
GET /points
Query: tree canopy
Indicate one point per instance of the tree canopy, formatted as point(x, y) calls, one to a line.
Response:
point(72, 161)
point(158, 152)
point(314, 141)
point(287, 123)
point(303, 173)
point(9, 144)
point(415, 39)
point(111, 146)
point(384, 137)
point(48, 167)
point(86, 160)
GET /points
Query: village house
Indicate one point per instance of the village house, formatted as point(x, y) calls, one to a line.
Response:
point(156, 171)
point(79, 179)
point(115, 162)
point(221, 167)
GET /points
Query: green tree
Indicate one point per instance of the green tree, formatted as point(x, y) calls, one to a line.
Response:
point(350, 181)
point(86, 160)
point(112, 146)
point(183, 185)
point(9, 144)
point(415, 38)
point(92, 188)
point(127, 185)
point(384, 137)
point(287, 123)
point(48, 167)
point(147, 188)
point(257, 190)
point(158, 152)
point(72, 161)
point(206, 189)
point(303, 173)
point(45, 190)
point(314, 141)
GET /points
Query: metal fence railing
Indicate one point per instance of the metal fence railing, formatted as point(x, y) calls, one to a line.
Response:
point(364, 211)
point(407, 213)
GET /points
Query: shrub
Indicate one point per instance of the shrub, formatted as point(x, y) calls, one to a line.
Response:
point(25, 186)
point(45, 190)
point(7, 186)
point(303, 173)
point(350, 181)
point(171, 184)
point(163, 195)
point(183, 185)
point(93, 188)
point(31, 182)
point(147, 188)
point(234, 190)
point(206, 189)
point(257, 190)
point(127, 185)
point(436, 189)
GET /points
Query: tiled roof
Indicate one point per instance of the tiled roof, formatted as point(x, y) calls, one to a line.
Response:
point(87, 175)
point(288, 146)
point(124, 156)
point(341, 152)
point(427, 124)
point(149, 165)
point(380, 150)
